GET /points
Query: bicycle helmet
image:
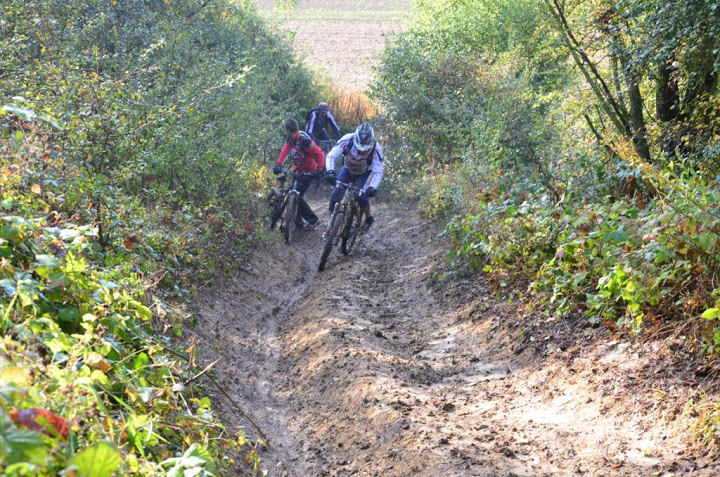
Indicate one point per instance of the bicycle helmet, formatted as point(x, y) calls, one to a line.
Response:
point(323, 107)
point(364, 137)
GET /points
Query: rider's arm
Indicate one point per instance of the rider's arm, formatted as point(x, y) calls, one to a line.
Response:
point(283, 154)
point(336, 152)
point(376, 169)
point(311, 124)
point(332, 156)
point(317, 155)
point(334, 125)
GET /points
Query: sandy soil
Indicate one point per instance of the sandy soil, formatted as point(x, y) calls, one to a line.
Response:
point(373, 368)
point(343, 38)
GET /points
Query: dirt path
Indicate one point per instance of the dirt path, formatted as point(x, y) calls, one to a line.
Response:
point(371, 368)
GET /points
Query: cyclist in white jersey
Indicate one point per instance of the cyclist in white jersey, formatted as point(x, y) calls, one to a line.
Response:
point(362, 165)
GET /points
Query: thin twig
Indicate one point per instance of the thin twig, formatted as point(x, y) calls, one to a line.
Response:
point(232, 401)
point(207, 368)
point(237, 406)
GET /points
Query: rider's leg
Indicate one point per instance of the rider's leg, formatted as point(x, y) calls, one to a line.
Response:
point(369, 219)
point(366, 212)
point(364, 202)
point(304, 209)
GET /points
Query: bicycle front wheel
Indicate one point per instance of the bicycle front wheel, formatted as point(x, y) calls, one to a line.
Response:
point(330, 238)
point(352, 225)
point(290, 213)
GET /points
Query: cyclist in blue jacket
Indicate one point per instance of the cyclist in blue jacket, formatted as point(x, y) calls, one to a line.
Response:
point(317, 123)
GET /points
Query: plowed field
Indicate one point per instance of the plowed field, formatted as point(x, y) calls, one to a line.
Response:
point(343, 38)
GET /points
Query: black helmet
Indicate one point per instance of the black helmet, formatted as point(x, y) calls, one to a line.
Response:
point(364, 137)
point(323, 107)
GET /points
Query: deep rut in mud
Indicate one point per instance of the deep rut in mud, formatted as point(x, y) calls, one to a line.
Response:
point(371, 368)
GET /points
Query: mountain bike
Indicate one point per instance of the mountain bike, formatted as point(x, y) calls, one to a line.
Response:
point(326, 144)
point(284, 203)
point(345, 223)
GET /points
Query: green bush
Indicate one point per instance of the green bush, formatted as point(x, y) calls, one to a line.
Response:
point(135, 138)
point(533, 181)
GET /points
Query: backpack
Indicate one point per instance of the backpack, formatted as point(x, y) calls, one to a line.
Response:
point(347, 148)
point(304, 141)
point(307, 118)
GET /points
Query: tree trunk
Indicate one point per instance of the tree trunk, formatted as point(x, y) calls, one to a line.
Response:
point(666, 94)
point(637, 120)
point(667, 99)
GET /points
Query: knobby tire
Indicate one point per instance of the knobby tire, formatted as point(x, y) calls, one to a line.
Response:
point(351, 231)
point(290, 213)
point(330, 238)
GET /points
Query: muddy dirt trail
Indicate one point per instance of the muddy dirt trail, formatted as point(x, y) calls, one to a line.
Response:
point(372, 368)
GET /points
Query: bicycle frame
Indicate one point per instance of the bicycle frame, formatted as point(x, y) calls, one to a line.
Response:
point(345, 213)
point(326, 144)
point(284, 198)
point(294, 188)
point(277, 199)
point(346, 201)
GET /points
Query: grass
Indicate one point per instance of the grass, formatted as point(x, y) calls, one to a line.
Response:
point(351, 108)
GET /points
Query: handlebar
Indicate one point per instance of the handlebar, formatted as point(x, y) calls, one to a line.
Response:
point(349, 186)
point(285, 172)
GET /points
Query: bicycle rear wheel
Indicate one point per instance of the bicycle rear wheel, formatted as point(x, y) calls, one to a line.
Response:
point(330, 238)
point(290, 213)
point(352, 226)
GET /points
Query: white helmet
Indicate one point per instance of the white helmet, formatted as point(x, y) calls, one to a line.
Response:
point(364, 137)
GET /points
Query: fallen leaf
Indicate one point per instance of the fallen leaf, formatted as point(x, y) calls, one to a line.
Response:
point(17, 376)
point(41, 420)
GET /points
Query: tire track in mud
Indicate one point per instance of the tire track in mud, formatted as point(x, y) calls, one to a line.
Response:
point(368, 368)
point(368, 389)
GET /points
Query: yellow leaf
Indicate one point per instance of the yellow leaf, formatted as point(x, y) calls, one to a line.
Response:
point(36, 189)
point(17, 376)
point(103, 366)
point(89, 317)
point(98, 362)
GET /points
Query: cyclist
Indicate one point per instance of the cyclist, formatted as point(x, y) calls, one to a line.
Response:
point(362, 165)
point(317, 123)
point(307, 157)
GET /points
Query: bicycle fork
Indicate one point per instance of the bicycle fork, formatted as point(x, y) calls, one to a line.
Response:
point(334, 239)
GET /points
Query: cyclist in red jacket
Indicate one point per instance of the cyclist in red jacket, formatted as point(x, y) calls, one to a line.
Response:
point(306, 156)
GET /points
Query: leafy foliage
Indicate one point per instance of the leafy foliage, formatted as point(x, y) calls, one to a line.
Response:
point(581, 216)
point(134, 141)
point(577, 193)
point(465, 94)
point(594, 187)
